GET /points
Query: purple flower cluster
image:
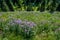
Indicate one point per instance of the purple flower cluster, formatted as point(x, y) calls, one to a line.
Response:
point(18, 21)
point(26, 27)
point(22, 23)
point(29, 24)
point(14, 22)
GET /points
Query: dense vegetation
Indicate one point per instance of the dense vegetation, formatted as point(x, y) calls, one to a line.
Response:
point(24, 24)
point(29, 5)
point(29, 26)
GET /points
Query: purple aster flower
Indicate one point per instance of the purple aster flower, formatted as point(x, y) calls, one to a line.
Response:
point(29, 24)
point(32, 24)
point(18, 21)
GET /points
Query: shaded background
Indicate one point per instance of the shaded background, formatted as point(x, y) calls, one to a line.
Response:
point(30, 5)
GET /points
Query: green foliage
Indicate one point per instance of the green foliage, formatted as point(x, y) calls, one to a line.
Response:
point(29, 5)
point(47, 25)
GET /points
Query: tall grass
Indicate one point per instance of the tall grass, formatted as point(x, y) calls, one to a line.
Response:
point(29, 5)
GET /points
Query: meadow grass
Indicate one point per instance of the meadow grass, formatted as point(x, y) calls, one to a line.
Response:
point(47, 25)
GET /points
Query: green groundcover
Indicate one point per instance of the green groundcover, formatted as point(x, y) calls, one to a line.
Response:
point(25, 25)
